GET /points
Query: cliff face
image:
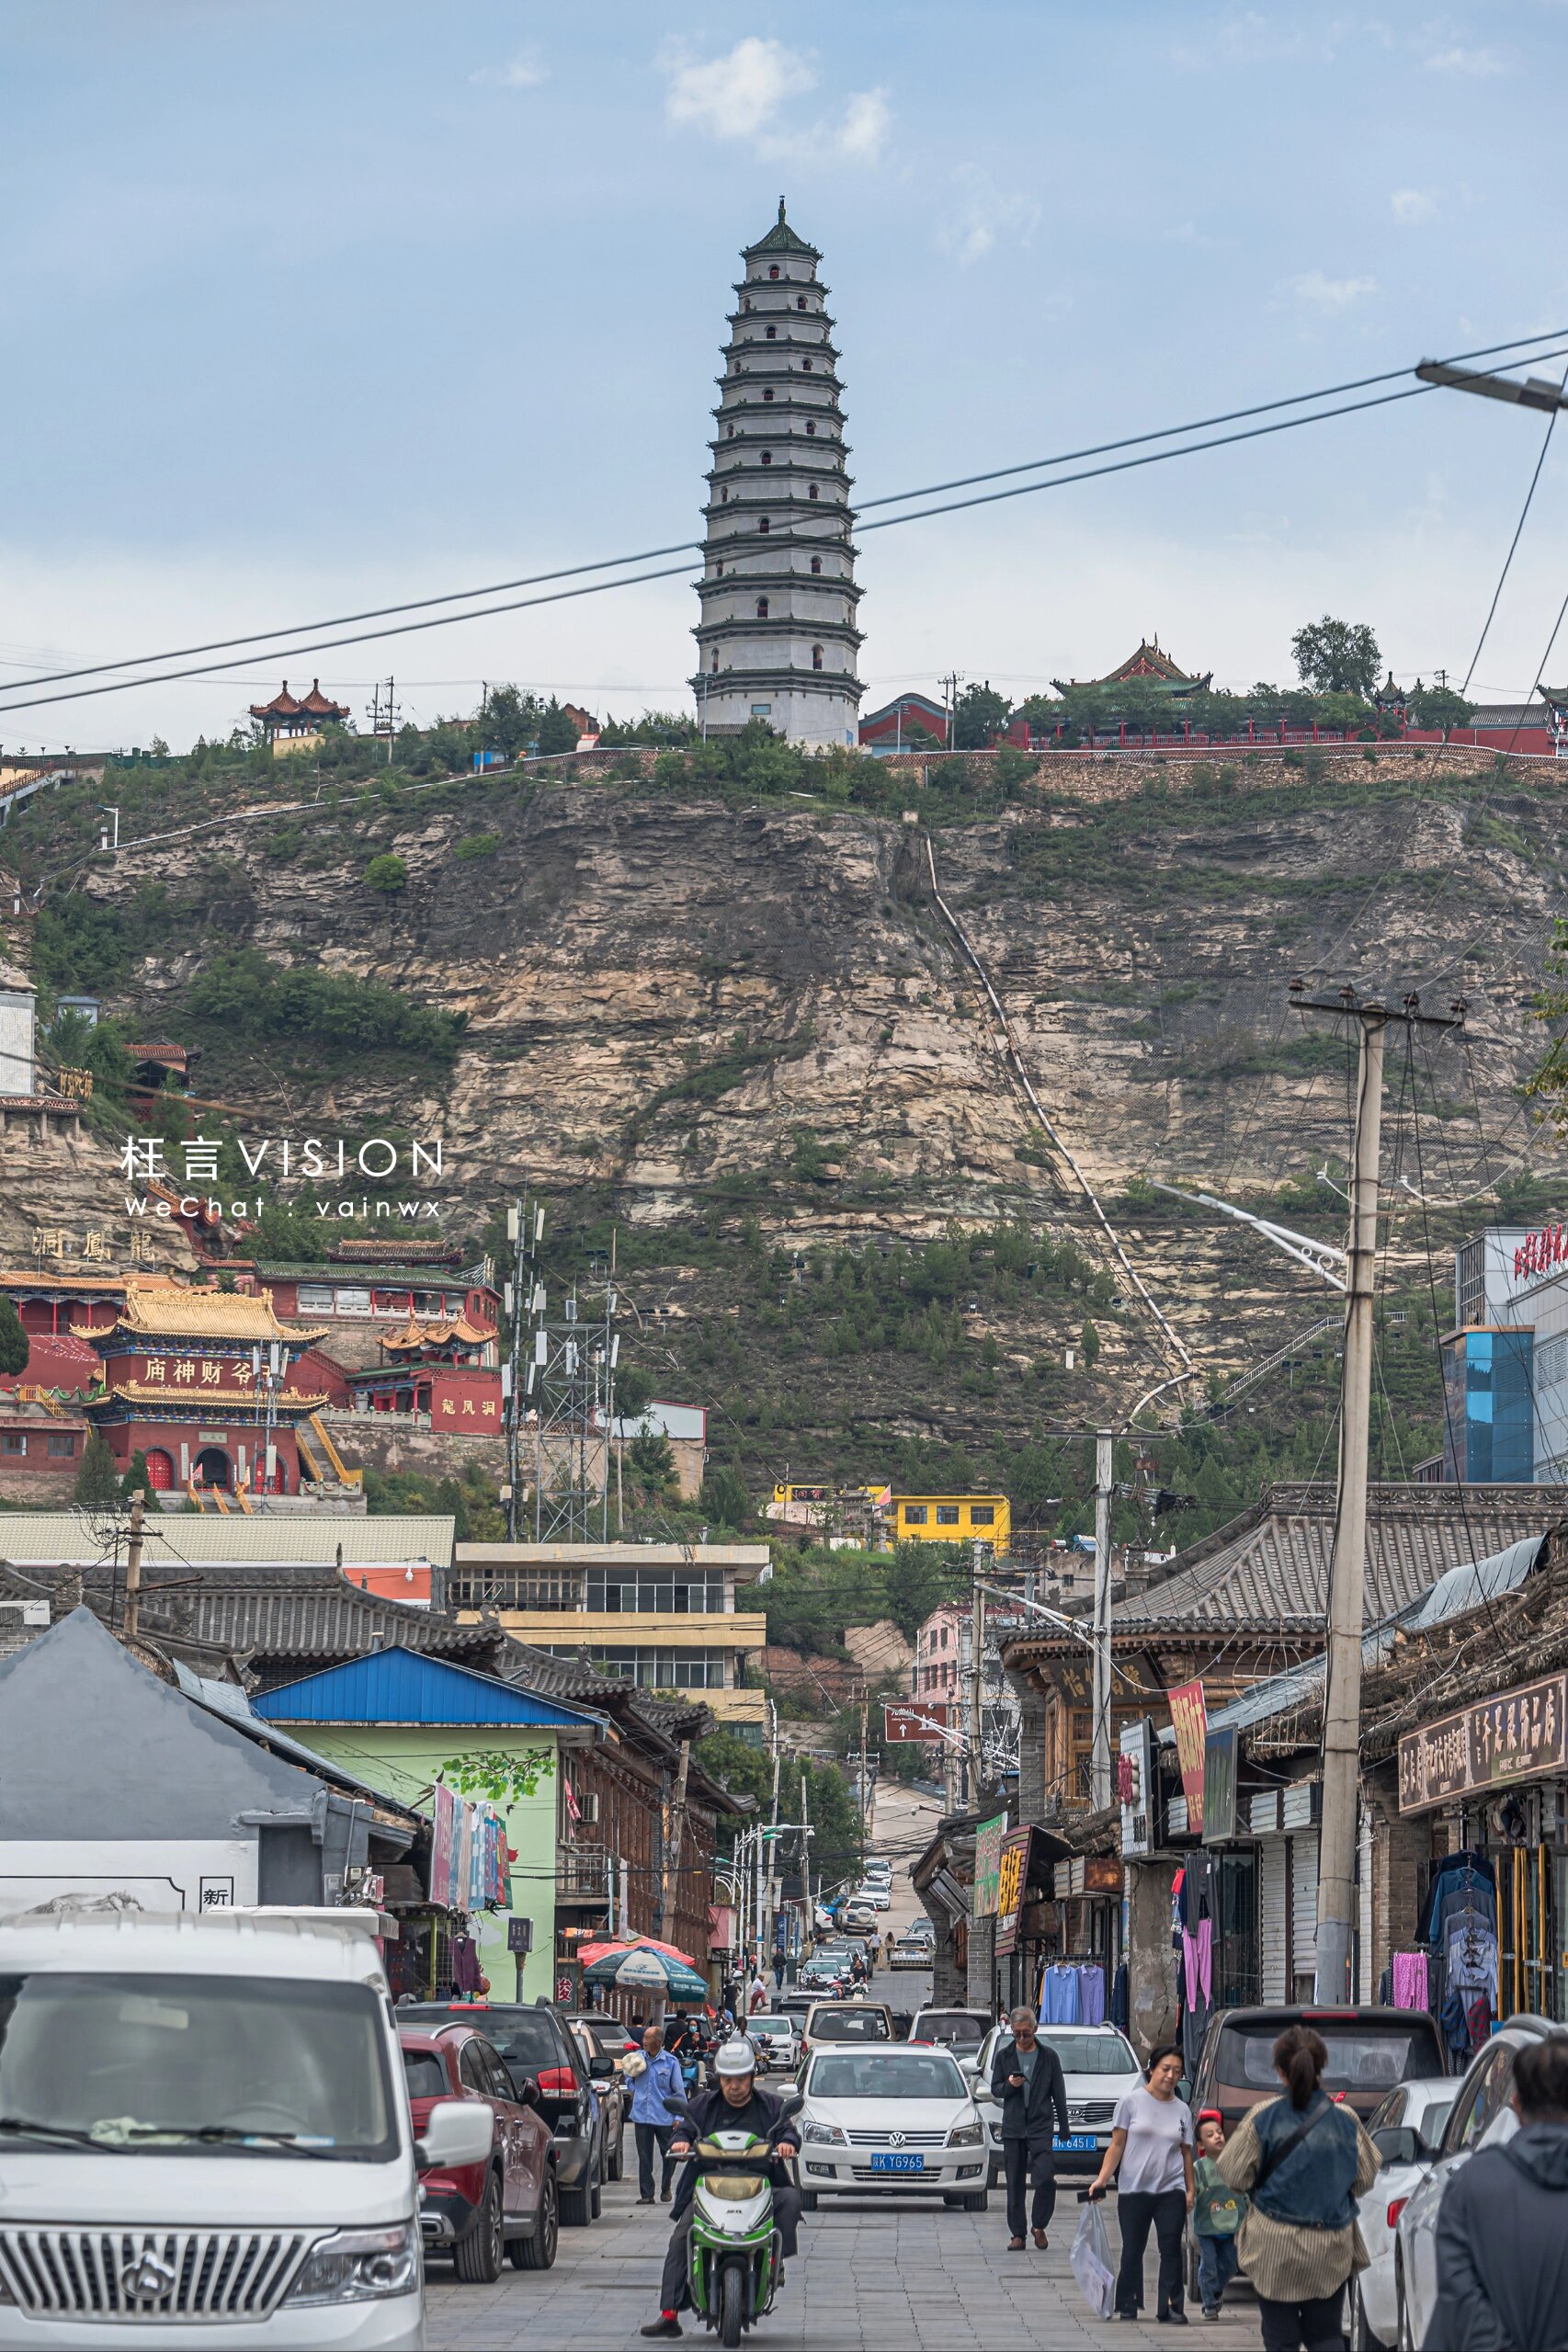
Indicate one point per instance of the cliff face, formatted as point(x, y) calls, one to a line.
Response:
point(684, 1002)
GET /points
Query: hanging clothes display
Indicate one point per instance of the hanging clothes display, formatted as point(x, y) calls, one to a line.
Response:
point(1091, 1994)
point(465, 1964)
point(1060, 1993)
point(1120, 2011)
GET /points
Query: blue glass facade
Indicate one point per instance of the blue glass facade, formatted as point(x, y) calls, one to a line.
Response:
point(1489, 1427)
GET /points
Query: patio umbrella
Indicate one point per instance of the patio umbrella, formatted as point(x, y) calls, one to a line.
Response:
point(588, 1953)
point(643, 1968)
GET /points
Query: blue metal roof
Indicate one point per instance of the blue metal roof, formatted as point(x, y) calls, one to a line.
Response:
point(399, 1685)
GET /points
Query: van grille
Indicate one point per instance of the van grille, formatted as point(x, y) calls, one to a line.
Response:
point(151, 2274)
point(905, 2139)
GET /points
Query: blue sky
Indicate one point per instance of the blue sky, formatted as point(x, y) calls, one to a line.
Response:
point(317, 305)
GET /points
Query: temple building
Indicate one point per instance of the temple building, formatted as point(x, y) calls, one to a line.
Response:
point(444, 1368)
point(293, 723)
point(1148, 661)
point(777, 640)
point(200, 1383)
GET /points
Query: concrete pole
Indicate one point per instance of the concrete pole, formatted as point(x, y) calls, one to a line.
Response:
point(1100, 1772)
point(1341, 1707)
point(133, 1565)
point(976, 1681)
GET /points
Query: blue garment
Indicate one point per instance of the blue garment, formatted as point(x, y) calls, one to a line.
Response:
point(1314, 2184)
point(1217, 2260)
point(1091, 1994)
point(1059, 1994)
point(658, 2092)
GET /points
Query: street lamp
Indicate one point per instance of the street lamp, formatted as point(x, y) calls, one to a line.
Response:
point(1534, 392)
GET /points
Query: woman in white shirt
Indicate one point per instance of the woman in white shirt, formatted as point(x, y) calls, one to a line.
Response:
point(1150, 2157)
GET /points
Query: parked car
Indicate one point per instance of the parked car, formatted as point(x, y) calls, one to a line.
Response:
point(537, 2045)
point(604, 2042)
point(1480, 2117)
point(876, 1893)
point(778, 2039)
point(1098, 2068)
point(254, 2028)
point(1405, 2129)
point(1370, 2052)
point(959, 2030)
point(896, 2122)
point(912, 1952)
point(828, 1973)
point(504, 2203)
point(861, 1915)
point(859, 2022)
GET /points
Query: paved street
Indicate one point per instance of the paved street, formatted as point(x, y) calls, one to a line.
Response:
point(871, 2277)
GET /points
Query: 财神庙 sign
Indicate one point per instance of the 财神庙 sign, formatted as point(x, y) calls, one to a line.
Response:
point(1518, 1735)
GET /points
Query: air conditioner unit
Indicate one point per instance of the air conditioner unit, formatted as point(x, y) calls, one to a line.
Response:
point(589, 1806)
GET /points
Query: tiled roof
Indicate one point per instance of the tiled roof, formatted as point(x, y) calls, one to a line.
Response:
point(301, 1541)
point(436, 1333)
point(171, 1311)
point(1268, 1572)
point(781, 238)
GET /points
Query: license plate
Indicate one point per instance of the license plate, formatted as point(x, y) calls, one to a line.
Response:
point(1078, 2143)
point(898, 2164)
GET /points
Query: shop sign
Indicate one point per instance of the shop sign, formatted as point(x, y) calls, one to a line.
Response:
point(1518, 1735)
point(1542, 1252)
point(988, 1865)
point(1219, 1786)
point(1189, 1719)
point(1135, 1786)
point(1102, 1874)
point(1012, 1870)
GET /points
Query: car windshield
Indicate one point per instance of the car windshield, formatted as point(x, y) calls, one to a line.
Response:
point(190, 2065)
point(886, 2074)
point(1361, 2057)
point(771, 2024)
point(426, 2074)
point(528, 2039)
point(952, 2025)
point(850, 2023)
point(1093, 2053)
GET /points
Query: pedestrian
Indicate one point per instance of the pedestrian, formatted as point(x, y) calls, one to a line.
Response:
point(758, 1997)
point(1215, 2215)
point(1027, 2083)
point(1502, 2237)
point(1303, 2161)
point(737, 2104)
point(658, 2104)
point(1150, 2157)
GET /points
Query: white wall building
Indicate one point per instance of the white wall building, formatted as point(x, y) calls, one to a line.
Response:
point(1507, 1362)
point(777, 639)
point(18, 1004)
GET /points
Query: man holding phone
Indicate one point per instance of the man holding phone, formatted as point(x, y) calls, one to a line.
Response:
point(1027, 2083)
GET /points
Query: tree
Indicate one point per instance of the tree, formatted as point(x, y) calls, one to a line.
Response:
point(652, 1458)
point(919, 1577)
point(1337, 656)
point(98, 1481)
point(137, 1477)
point(557, 732)
point(14, 1341)
point(978, 714)
point(1091, 1343)
point(507, 721)
point(724, 1496)
point(633, 1391)
point(1439, 706)
point(387, 872)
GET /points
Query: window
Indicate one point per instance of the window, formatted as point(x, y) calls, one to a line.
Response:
point(812, 491)
point(762, 608)
point(13, 1441)
point(651, 1589)
point(773, 335)
point(724, 497)
point(767, 394)
point(816, 657)
point(425, 2074)
point(811, 430)
point(732, 433)
point(715, 658)
point(983, 1514)
point(768, 457)
point(816, 563)
point(800, 301)
point(62, 1442)
point(774, 271)
point(316, 1299)
point(745, 302)
point(947, 1514)
point(719, 572)
point(806, 366)
point(663, 1669)
point(472, 2068)
point(762, 710)
point(765, 525)
point(914, 1514)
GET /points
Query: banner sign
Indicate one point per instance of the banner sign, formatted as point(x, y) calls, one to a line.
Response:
point(1219, 1786)
point(1189, 1719)
point(1518, 1735)
point(988, 1865)
point(1012, 1874)
point(1136, 1786)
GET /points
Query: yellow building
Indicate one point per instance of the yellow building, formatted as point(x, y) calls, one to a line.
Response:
point(660, 1615)
point(952, 1518)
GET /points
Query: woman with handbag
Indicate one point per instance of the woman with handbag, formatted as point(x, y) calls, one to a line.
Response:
point(1150, 2157)
point(1303, 2161)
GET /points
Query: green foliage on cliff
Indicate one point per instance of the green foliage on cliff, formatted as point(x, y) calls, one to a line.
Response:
point(249, 996)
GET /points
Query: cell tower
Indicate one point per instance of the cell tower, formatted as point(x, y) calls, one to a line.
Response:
point(559, 1391)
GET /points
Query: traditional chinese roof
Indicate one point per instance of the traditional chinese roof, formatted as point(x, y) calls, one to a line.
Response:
point(168, 1311)
point(37, 1278)
point(370, 1253)
point(314, 705)
point(317, 705)
point(1147, 662)
point(166, 1053)
point(416, 1334)
point(781, 238)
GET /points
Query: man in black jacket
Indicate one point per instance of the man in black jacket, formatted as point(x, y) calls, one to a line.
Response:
point(1502, 2239)
point(1025, 2079)
point(737, 2104)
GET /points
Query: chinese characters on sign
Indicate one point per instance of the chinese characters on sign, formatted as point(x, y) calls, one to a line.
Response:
point(190, 1371)
point(988, 1866)
point(1011, 1879)
point(1189, 1719)
point(91, 1246)
point(1519, 1735)
point(1539, 1252)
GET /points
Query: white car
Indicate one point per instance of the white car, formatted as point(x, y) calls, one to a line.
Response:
point(1481, 2117)
point(1406, 2129)
point(778, 2037)
point(877, 1894)
point(1098, 2068)
point(890, 2121)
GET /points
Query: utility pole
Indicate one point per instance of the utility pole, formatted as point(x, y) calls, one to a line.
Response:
point(525, 1231)
point(865, 1760)
point(976, 1678)
point(1100, 1777)
point(133, 1565)
point(675, 1827)
point(763, 1948)
point(806, 1854)
point(952, 682)
point(1347, 1595)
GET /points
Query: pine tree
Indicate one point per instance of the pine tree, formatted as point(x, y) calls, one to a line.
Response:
point(14, 1343)
point(98, 1481)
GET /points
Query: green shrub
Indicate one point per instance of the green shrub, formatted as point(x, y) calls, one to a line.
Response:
point(477, 844)
point(387, 872)
point(250, 997)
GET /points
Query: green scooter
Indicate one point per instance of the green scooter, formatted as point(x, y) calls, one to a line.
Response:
point(733, 2266)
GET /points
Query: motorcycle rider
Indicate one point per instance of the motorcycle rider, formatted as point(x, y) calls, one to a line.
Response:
point(736, 2106)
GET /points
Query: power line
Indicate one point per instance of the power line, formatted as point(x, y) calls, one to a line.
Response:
point(1020, 490)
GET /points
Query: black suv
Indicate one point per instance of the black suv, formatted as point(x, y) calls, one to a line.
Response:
point(537, 2046)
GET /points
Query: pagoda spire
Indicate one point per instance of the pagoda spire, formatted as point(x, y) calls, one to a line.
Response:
point(777, 640)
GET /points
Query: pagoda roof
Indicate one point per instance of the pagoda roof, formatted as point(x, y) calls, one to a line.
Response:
point(436, 1332)
point(170, 1310)
point(314, 705)
point(781, 238)
point(166, 1053)
point(1147, 662)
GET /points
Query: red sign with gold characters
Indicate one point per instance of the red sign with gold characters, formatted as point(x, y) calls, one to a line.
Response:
point(1189, 1719)
point(1518, 1735)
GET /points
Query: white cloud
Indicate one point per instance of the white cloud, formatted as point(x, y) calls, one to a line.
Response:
point(744, 96)
point(1413, 206)
point(1480, 64)
point(523, 73)
point(985, 214)
point(1318, 292)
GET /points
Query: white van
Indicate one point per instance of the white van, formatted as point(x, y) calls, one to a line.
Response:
point(205, 2136)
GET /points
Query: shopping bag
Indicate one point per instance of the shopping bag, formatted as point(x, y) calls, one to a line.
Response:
point(1091, 2262)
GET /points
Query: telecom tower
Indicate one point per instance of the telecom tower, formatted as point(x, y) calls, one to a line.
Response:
point(559, 1391)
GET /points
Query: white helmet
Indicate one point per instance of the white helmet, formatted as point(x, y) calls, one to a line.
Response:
point(737, 2057)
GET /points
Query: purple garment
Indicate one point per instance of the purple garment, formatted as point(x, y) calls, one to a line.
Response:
point(1091, 1994)
point(1410, 1982)
point(1198, 1958)
point(465, 1965)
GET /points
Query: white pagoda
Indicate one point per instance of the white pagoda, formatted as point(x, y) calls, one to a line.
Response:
point(777, 640)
